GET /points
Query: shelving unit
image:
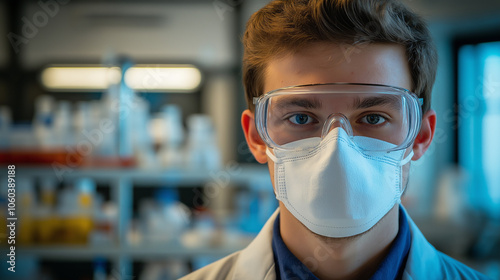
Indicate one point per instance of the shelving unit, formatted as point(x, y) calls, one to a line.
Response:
point(121, 182)
point(139, 252)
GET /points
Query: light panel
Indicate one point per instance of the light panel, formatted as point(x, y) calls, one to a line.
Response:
point(163, 78)
point(152, 78)
point(79, 78)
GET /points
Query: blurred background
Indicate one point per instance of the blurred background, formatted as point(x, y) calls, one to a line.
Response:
point(122, 121)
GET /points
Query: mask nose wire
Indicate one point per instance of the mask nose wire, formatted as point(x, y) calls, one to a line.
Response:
point(336, 120)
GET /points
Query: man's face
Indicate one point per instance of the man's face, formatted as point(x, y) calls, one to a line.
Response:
point(329, 63)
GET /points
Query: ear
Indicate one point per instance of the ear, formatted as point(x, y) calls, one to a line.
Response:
point(424, 137)
point(255, 143)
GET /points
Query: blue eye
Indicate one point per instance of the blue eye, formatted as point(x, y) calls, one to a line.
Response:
point(373, 119)
point(300, 119)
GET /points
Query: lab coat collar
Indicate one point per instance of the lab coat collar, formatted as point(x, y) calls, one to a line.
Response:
point(424, 261)
point(421, 262)
point(248, 267)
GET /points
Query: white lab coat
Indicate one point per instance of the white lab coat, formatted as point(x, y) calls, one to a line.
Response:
point(256, 261)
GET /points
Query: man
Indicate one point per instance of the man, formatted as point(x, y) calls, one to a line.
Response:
point(339, 103)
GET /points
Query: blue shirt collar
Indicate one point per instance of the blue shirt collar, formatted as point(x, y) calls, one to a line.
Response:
point(287, 266)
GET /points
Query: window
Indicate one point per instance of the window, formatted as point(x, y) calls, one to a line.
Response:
point(478, 123)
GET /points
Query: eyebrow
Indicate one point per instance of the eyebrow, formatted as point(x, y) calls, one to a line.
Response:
point(307, 103)
point(369, 102)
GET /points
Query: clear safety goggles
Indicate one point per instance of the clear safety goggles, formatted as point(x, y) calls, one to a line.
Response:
point(290, 114)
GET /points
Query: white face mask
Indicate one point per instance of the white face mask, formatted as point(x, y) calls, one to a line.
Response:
point(336, 189)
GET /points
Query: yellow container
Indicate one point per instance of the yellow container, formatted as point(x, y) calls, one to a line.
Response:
point(46, 229)
point(25, 230)
point(75, 229)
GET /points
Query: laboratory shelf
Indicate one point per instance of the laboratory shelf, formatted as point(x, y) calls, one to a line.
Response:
point(235, 174)
point(121, 182)
point(138, 253)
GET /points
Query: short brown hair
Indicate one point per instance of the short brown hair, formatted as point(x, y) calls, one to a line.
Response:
point(286, 26)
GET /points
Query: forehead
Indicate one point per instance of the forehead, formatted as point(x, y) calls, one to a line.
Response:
point(330, 63)
point(335, 102)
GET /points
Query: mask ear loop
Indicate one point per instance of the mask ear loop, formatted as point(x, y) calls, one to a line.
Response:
point(275, 160)
point(406, 159)
point(272, 156)
point(402, 163)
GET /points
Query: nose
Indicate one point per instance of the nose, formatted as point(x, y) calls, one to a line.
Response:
point(336, 120)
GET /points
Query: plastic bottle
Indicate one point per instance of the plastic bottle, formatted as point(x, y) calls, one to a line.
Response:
point(3, 210)
point(25, 206)
point(174, 213)
point(100, 269)
point(202, 146)
point(5, 126)
point(117, 108)
point(169, 270)
point(107, 111)
point(44, 120)
point(83, 220)
point(104, 219)
point(75, 212)
point(167, 219)
point(171, 153)
point(47, 221)
point(63, 124)
point(142, 141)
point(82, 131)
point(81, 117)
point(66, 211)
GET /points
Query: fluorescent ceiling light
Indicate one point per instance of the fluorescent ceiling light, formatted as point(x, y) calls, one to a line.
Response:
point(80, 78)
point(163, 78)
point(154, 78)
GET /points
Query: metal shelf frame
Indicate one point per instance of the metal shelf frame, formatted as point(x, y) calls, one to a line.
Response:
point(122, 181)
